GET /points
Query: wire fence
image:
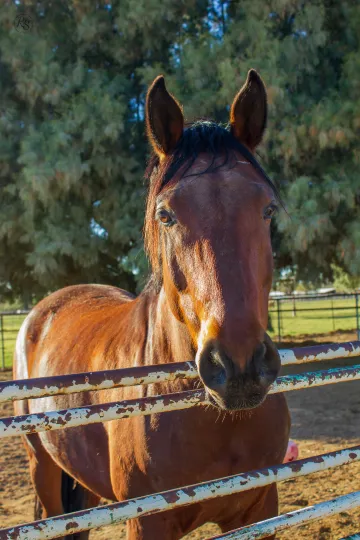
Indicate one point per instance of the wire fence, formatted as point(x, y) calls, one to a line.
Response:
point(309, 315)
point(10, 322)
point(289, 317)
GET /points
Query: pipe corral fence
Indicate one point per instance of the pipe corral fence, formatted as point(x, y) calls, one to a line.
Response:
point(141, 506)
point(291, 315)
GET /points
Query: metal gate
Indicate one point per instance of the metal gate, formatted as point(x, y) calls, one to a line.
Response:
point(150, 504)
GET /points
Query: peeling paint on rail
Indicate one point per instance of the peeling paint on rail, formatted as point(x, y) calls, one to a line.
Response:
point(31, 423)
point(100, 380)
point(315, 378)
point(95, 380)
point(107, 515)
point(265, 528)
point(314, 353)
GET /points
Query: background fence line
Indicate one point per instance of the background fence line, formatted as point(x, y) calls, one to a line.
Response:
point(342, 310)
point(289, 316)
point(10, 322)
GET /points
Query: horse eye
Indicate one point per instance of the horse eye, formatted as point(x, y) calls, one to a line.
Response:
point(270, 211)
point(165, 217)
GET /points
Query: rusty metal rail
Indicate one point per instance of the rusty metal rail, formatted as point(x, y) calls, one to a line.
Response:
point(96, 380)
point(116, 378)
point(87, 519)
point(31, 423)
point(265, 528)
point(114, 513)
point(333, 351)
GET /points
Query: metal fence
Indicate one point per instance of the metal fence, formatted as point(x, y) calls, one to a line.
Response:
point(76, 522)
point(337, 312)
point(10, 322)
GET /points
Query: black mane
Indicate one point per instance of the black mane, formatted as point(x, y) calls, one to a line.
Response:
point(208, 137)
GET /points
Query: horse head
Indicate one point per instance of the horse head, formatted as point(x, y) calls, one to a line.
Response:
point(207, 233)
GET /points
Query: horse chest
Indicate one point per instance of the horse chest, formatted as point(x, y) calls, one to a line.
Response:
point(180, 449)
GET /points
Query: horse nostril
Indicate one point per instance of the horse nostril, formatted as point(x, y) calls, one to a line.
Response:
point(265, 363)
point(211, 369)
point(218, 369)
point(259, 356)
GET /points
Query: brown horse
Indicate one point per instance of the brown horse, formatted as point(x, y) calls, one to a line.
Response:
point(207, 232)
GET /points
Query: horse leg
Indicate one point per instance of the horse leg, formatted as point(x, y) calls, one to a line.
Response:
point(147, 528)
point(75, 497)
point(56, 492)
point(46, 479)
point(265, 506)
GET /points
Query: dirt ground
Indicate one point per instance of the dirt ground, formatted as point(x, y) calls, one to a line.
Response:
point(323, 419)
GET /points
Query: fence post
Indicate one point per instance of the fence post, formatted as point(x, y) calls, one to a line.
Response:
point(2, 343)
point(357, 316)
point(279, 319)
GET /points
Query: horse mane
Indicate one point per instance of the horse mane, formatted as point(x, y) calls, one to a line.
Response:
point(199, 137)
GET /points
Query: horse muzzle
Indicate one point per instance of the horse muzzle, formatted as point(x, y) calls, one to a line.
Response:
point(232, 386)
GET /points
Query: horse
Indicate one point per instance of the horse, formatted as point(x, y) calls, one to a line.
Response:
point(207, 236)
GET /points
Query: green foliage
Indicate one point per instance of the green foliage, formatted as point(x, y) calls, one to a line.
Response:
point(343, 282)
point(72, 141)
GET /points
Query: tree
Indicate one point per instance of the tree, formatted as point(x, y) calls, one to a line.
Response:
point(308, 54)
point(73, 147)
point(343, 282)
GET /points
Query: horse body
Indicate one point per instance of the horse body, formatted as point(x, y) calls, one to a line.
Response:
point(121, 459)
point(212, 270)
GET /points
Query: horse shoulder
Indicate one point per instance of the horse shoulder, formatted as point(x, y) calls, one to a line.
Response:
point(63, 322)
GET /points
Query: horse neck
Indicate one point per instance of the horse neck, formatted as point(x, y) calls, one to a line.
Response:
point(168, 340)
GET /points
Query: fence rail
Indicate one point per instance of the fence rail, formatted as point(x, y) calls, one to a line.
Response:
point(117, 378)
point(292, 519)
point(92, 414)
point(84, 520)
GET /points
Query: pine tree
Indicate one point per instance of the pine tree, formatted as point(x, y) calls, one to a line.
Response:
point(72, 142)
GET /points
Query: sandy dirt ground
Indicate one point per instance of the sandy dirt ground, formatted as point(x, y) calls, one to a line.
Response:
point(323, 419)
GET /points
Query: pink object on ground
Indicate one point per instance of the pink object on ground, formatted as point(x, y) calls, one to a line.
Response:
point(292, 452)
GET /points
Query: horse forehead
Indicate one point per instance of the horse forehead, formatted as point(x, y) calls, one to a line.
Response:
point(225, 186)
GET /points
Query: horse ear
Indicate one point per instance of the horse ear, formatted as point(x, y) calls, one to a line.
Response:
point(164, 118)
point(249, 111)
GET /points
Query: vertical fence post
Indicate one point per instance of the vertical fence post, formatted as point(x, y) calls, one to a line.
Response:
point(332, 312)
point(2, 343)
point(279, 319)
point(357, 315)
